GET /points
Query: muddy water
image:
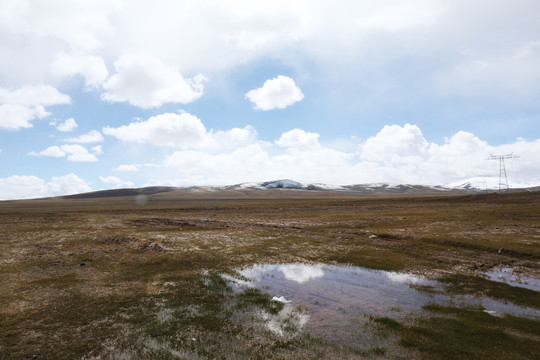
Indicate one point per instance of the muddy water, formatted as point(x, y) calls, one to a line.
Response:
point(336, 301)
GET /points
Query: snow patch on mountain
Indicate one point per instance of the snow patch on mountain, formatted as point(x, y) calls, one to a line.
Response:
point(283, 184)
point(490, 183)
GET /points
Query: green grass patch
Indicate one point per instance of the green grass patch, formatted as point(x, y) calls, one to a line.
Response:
point(387, 322)
point(255, 297)
point(373, 259)
point(468, 333)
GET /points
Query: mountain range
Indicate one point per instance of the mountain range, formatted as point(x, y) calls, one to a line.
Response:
point(472, 185)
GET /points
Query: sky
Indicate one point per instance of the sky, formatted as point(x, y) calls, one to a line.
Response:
point(102, 94)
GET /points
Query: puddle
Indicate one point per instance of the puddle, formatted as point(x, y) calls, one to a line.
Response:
point(507, 275)
point(335, 302)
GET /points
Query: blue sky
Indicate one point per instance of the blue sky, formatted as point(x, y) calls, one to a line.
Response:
point(103, 94)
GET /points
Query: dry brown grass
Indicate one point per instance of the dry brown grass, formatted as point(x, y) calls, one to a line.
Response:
point(89, 277)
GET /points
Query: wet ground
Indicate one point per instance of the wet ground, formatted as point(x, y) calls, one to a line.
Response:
point(335, 302)
point(510, 276)
point(115, 278)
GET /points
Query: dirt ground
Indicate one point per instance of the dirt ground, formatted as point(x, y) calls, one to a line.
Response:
point(87, 278)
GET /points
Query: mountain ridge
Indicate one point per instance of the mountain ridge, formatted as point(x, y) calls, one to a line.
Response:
point(462, 187)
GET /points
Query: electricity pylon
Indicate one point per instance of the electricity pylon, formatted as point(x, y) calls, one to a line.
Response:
point(502, 168)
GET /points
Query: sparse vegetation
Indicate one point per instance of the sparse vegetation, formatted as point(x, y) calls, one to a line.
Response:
point(470, 333)
point(104, 278)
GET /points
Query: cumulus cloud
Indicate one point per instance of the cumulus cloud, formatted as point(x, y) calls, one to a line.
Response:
point(53, 151)
point(76, 153)
point(184, 131)
point(221, 141)
point(144, 81)
point(169, 129)
point(92, 137)
point(91, 67)
point(117, 182)
point(98, 150)
point(21, 106)
point(26, 187)
point(276, 93)
point(298, 138)
point(304, 159)
point(243, 162)
point(395, 142)
point(397, 154)
point(15, 117)
point(470, 47)
point(67, 126)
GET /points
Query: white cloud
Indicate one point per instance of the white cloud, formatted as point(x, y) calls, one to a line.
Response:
point(91, 67)
point(228, 140)
point(53, 151)
point(98, 150)
point(298, 138)
point(276, 93)
point(29, 96)
point(461, 144)
point(25, 187)
point(92, 137)
point(169, 129)
point(117, 182)
point(304, 159)
point(301, 272)
point(512, 76)
point(21, 187)
point(143, 80)
point(67, 184)
point(128, 167)
point(15, 117)
point(397, 154)
point(21, 106)
point(357, 40)
point(76, 153)
point(67, 126)
point(244, 162)
point(185, 131)
point(80, 24)
point(395, 142)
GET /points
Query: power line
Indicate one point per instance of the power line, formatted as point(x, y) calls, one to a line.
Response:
point(502, 168)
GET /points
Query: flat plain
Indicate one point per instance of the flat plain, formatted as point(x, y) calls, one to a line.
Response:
point(149, 277)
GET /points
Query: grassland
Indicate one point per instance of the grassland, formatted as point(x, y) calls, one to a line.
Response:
point(109, 278)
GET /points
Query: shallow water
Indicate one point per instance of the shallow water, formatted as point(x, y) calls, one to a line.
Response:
point(336, 301)
point(507, 275)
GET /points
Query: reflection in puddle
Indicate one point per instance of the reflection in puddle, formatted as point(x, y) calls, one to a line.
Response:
point(301, 272)
point(507, 275)
point(334, 302)
point(290, 320)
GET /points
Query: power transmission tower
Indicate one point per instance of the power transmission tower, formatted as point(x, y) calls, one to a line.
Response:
point(502, 168)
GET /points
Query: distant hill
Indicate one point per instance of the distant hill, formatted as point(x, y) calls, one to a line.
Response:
point(121, 192)
point(472, 185)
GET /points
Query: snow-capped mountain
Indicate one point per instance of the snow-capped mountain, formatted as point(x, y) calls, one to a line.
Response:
point(283, 184)
point(471, 185)
point(486, 183)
